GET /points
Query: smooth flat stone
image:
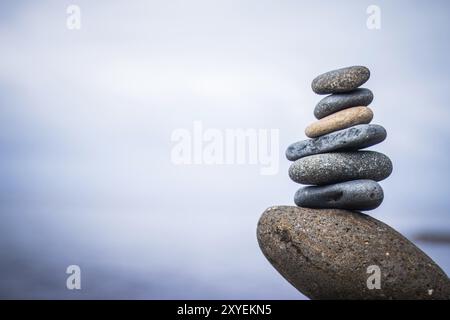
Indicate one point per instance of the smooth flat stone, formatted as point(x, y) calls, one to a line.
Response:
point(340, 120)
point(339, 101)
point(340, 80)
point(328, 168)
point(351, 195)
point(353, 138)
point(331, 253)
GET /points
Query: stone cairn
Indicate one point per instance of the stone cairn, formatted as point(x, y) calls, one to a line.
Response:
point(322, 246)
point(344, 178)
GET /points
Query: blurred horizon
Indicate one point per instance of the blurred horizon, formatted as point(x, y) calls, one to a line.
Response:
point(87, 117)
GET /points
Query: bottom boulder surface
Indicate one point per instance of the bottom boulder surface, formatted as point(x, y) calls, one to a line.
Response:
point(341, 254)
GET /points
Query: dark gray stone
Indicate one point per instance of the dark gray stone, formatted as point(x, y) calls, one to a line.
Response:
point(336, 167)
point(340, 80)
point(328, 254)
point(353, 138)
point(339, 101)
point(351, 195)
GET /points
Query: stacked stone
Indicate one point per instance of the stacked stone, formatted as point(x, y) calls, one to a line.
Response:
point(326, 252)
point(342, 176)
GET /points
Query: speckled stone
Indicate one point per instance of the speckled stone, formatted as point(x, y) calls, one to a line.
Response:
point(339, 120)
point(351, 195)
point(340, 80)
point(328, 168)
point(326, 254)
point(339, 101)
point(353, 138)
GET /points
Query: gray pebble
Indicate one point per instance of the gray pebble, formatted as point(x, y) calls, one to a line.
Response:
point(336, 167)
point(351, 195)
point(353, 138)
point(338, 254)
point(340, 80)
point(339, 101)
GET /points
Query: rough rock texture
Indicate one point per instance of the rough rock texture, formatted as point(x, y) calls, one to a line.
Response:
point(339, 120)
point(351, 195)
point(340, 80)
point(339, 101)
point(353, 138)
point(325, 254)
point(327, 168)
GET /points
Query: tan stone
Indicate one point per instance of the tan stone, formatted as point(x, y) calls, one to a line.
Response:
point(340, 120)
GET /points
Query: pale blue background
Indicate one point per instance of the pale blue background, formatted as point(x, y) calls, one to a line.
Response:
point(86, 118)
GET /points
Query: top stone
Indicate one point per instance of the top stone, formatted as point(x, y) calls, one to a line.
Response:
point(340, 80)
